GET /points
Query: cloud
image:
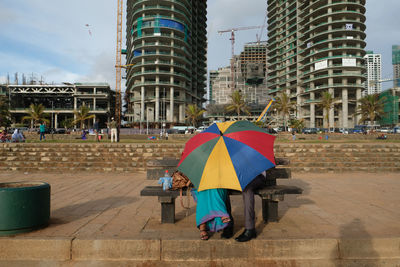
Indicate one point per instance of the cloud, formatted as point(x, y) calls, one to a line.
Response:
point(226, 14)
point(50, 37)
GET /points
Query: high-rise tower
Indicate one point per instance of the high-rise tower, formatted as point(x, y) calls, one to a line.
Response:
point(317, 46)
point(166, 42)
point(373, 63)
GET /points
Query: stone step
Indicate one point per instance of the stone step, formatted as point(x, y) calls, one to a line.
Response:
point(72, 169)
point(340, 170)
point(123, 164)
point(196, 253)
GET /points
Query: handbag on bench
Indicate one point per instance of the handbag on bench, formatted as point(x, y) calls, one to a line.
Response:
point(180, 182)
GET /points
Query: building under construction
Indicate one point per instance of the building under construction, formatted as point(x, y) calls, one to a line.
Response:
point(390, 99)
point(60, 101)
point(253, 62)
point(249, 77)
point(396, 65)
point(166, 43)
point(315, 47)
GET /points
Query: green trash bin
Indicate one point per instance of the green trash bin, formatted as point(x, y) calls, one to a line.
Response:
point(24, 206)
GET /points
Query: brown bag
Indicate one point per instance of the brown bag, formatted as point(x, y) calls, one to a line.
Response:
point(179, 182)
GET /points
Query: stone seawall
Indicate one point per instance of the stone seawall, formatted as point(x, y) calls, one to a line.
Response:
point(106, 157)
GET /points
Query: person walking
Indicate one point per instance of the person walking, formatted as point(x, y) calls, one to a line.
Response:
point(42, 130)
point(96, 129)
point(113, 127)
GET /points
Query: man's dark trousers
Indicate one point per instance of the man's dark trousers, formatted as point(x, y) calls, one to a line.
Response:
point(248, 200)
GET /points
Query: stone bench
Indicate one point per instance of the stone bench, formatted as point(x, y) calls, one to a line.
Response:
point(270, 195)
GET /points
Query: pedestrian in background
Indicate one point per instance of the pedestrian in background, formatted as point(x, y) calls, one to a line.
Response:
point(42, 130)
point(96, 129)
point(113, 127)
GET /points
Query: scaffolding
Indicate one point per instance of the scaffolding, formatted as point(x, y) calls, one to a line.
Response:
point(395, 54)
point(396, 64)
point(253, 62)
point(390, 108)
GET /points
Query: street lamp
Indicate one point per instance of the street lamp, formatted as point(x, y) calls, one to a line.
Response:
point(140, 123)
point(147, 119)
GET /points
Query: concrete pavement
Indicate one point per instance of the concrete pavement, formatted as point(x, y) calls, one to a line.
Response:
point(101, 220)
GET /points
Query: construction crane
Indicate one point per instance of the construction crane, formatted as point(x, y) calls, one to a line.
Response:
point(374, 82)
point(118, 67)
point(232, 31)
point(263, 114)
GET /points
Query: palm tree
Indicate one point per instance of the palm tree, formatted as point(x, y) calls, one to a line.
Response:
point(82, 115)
point(371, 108)
point(327, 102)
point(237, 103)
point(4, 112)
point(36, 114)
point(283, 105)
point(194, 114)
point(297, 124)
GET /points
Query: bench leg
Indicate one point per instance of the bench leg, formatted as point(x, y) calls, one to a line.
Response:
point(269, 210)
point(167, 209)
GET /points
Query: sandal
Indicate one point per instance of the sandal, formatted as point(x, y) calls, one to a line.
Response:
point(203, 232)
point(204, 235)
point(225, 219)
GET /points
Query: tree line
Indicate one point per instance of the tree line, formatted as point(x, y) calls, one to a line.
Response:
point(370, 108)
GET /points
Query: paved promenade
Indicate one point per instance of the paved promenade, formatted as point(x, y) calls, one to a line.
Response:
point(101, 218)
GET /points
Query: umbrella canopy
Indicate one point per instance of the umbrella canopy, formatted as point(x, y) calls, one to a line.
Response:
point(227, 155)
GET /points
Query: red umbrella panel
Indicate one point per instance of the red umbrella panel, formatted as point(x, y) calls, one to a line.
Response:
point(227, 155)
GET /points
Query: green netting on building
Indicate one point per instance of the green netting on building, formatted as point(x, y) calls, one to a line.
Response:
point(139, 26)
point(391, 108)
point(396, 54)
point(157, 26)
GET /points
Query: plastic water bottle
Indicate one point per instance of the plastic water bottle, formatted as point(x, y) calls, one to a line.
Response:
point(166, 181)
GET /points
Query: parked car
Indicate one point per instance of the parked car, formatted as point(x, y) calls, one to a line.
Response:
point(385, 130)
point(60, 131)
point(396, 129)
point(344, 130)
point(310, 130)
point(201, 128)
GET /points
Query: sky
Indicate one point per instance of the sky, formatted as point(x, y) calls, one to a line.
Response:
point(49, 39)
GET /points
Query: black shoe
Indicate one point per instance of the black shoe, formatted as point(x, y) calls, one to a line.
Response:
point(227, 232)
point(247, 235)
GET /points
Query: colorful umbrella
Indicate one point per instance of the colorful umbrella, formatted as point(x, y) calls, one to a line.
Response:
point(227, 155)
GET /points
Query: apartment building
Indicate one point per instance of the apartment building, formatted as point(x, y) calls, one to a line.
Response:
point(166, 45)
point(317, 46)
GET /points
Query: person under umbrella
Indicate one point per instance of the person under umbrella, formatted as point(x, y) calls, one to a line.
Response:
point(227, 155)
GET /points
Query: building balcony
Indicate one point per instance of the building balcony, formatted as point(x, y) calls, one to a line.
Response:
point(159, 9)
point(335, 85)
point(333, 23)
point(159, 73)
point(320, 9)
point(160, 83)
point(338, 13)
point(336, 75)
